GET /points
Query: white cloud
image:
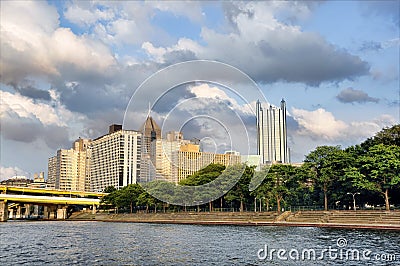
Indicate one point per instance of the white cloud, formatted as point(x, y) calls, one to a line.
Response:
point(9, 172)
point(321, 124)
point(270, 50)
point(26, 120)
point(48, 114)
point(217, 94)
point(87, 16)
point(37, 47)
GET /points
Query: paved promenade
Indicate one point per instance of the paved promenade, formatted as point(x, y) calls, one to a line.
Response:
point(335, 219)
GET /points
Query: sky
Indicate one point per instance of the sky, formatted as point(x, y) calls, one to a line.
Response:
point(68, 69)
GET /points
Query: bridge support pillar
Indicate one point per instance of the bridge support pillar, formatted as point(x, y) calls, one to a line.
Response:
point(18, 215)
point(3, 211)
point(49, 212)
point(27, 211)
point(61, 212)
point(11, 213)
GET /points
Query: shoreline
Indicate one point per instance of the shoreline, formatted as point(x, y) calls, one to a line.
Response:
point(237, 219)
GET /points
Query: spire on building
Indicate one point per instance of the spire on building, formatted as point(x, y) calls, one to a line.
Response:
point(151, 129)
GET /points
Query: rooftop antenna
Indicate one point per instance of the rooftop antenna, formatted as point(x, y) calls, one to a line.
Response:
point(148, 113)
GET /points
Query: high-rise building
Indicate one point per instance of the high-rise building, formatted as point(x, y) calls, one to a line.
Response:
point(115, 159)
point(68, 170)
point(189, 159)
point(175, 158)
point(272, 133)
point(151, 132)
point(163, 153)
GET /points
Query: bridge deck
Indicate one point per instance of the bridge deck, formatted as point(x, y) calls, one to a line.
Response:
point(28, 190)
point(49, 200)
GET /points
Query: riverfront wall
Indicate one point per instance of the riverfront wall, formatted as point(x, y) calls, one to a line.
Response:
point(339, 219)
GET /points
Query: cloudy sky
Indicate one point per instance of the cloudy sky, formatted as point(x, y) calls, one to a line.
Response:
point(68, 69)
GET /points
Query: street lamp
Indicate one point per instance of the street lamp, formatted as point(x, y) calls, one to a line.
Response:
point(354, 198)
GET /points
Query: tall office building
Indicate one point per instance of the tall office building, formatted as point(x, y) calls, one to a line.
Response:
point(163, 153)
point(272, 133)
point(151, 132)
point(189, 159)
point(69, 169)
point(115, 158)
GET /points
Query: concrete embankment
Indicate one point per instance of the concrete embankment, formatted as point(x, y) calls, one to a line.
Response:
point(334, 219)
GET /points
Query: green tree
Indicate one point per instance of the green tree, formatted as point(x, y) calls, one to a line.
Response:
point(147, 200)
point(282, 175)
point(202, 177)
point(128, 196)
point(264, 190)
point(387, 136)
point(378, 170)
point(240, 191)
point(327, 164)
point(109, 189)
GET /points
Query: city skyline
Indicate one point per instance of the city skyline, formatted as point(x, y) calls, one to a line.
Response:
point(68, 69)
point(123, 157)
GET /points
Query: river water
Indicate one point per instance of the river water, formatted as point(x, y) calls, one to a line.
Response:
point(104, 243)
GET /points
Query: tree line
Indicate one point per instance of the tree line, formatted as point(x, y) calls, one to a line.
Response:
point(329, 176)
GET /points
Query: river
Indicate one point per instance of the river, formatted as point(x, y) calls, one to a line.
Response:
point(106, 243)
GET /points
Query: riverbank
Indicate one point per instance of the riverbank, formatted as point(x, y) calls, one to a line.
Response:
point(333, 219)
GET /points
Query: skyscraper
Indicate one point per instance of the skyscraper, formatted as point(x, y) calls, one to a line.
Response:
point(151, 132)
point(115, 158)
point(272, 133)
point(69, 169)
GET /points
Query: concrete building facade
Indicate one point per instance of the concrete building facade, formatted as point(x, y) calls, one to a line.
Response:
point(115, 159)
point(189, 159)
point(68, 170)
point(163, 154)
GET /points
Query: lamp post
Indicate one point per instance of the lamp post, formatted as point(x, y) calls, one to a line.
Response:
point(354, 198)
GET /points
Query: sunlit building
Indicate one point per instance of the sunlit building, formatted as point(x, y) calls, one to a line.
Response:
point(68, 170)
point(189, 159)
point(272, 133)
point(163, 153)
point(115, 158)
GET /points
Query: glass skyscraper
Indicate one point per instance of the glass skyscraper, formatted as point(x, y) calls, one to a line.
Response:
point(272, 133)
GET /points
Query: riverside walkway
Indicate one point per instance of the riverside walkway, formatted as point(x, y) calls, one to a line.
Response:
point(337, 219)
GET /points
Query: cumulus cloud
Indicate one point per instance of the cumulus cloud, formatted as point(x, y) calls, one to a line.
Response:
point(33, 44)
point(9, 172)
point(319, 123)
point(31, 91)
point(351, 95)
point(87, 14)
point(274, 51)
point(24, 119)
point(323, 125)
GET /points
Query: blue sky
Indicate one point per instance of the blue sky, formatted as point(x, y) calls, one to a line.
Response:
point(68, 69)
